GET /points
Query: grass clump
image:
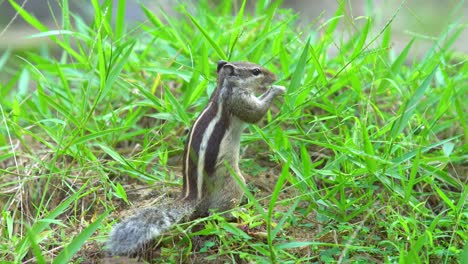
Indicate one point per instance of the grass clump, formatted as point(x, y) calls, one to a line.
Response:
point(365, 160)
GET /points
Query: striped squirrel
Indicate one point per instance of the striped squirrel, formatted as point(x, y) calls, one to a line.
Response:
point(213, 140)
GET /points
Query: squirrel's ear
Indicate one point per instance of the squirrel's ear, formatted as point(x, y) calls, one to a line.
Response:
point(221, 63)
point(226, 67)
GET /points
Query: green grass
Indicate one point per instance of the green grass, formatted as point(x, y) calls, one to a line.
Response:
point(367, 151)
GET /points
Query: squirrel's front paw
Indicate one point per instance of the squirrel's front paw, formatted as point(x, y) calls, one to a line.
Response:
point(278, 89)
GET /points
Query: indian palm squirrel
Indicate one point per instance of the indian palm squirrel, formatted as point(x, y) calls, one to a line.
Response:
point(213, 142)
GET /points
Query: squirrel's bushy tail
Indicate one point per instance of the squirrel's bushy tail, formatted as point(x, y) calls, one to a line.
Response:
point(127, 236)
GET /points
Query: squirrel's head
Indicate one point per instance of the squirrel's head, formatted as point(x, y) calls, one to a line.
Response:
point(244, 75)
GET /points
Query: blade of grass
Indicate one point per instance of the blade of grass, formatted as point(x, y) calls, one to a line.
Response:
point(35, 247)
point(297, 77)
point(285, 217)
point(207, 36)
point(396, 65)
point(407, 109)
point(96, 134)
point(445, 198)
point(120, 19)
point(179, 112)
point(322, 77)
point(167, 31)
point(101, 13)
point(358, 49)
point(69, 251)
point(28, 17)
point(42, 28)
point(39, 226)
point(247, 193)
point(368, 147)
point(114, 67)
point(409, 186)
point(274, 197)
point(237, 28)
point(264, 28)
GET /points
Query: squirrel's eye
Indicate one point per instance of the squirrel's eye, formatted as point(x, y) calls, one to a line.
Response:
point(256, 71)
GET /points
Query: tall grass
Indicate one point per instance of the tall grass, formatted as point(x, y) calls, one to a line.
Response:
point(368, 149)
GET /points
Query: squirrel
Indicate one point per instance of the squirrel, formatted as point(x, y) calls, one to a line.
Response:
point(213, 141)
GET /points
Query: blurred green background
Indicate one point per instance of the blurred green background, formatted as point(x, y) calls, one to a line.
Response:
point(423, 19)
